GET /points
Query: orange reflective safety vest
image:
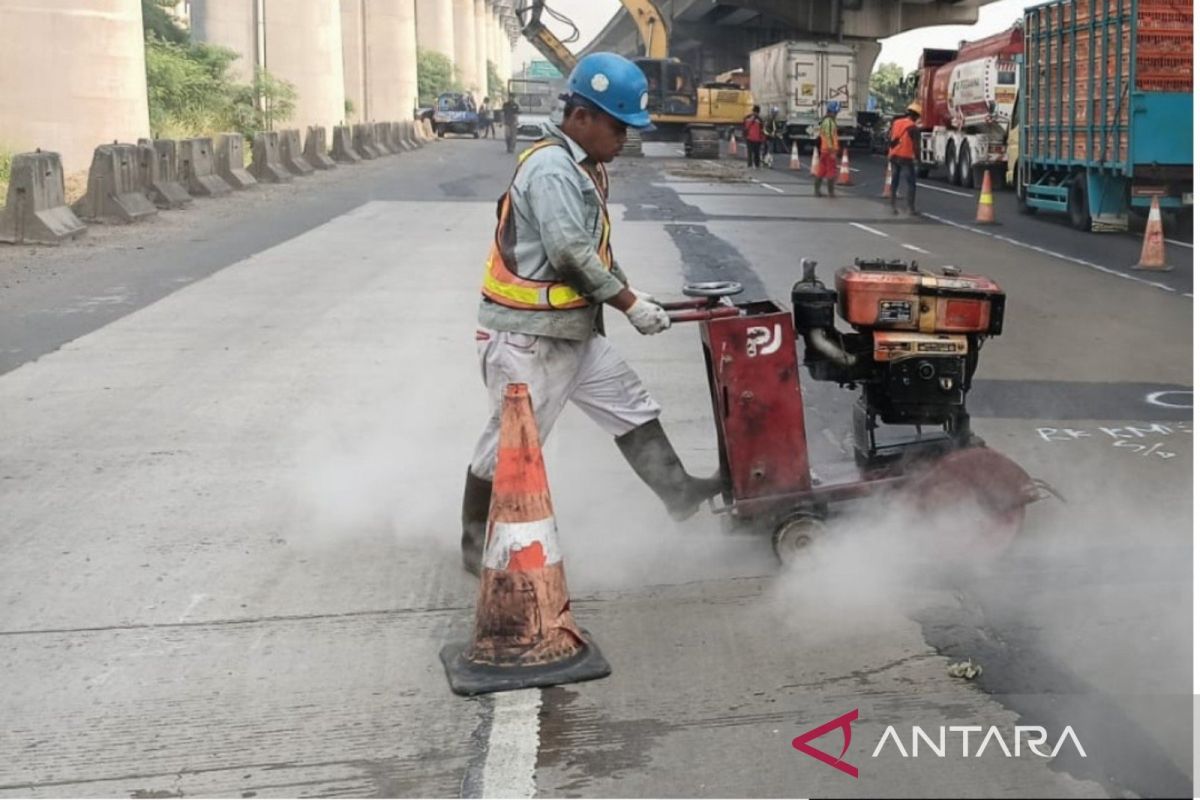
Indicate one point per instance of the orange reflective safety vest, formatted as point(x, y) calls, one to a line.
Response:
point(902, 130)
point(502, 284)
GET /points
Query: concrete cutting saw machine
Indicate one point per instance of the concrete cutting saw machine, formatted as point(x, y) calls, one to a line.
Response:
point(911, 355)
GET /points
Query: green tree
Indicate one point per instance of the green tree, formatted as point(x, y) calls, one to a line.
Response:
point(435, 74)
point(892, 88)
point(188, 88)
point(276, 100)
point(496, 86)
point(158, 23)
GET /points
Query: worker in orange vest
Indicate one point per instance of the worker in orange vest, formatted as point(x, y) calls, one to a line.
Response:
point(828, 147)
point(904, 141)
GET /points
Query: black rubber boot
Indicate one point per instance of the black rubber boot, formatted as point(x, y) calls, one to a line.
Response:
point(477, 499)
point(652, 457)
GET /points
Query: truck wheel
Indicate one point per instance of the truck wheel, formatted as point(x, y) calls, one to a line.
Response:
point(966, 169)
point(1077, 204)
point(440, 130)
point(475, 132)
point(952, 174)
point(923, 171)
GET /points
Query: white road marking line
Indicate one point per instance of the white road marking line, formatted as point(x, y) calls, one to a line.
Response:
point(944, 189)
point(512, 746)
point(1181, 244)
point(868, 229)
point(914, 247)
point(677, 150)
point(769, 186)
point(1053, 254)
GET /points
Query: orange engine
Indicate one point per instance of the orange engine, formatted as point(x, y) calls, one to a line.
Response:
point(897, 296)
point(914, 348)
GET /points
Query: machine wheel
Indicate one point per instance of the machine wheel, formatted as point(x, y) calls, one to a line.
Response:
point(966, 169)
point(952, 165)
point(795, 535)
point(1077, 204)
point(981, 494)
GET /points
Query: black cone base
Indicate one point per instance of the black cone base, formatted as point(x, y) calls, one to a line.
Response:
point(468, 678)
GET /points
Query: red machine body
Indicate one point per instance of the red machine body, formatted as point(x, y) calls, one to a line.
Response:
point(754, 377)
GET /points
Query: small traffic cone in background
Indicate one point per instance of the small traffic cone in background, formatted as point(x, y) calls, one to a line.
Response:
point(985, 214)
point(887, 181)
point(794, 161)
point(844, 178)
point(815, 162)
point(1154, 251)
point(525, 634)
point(733, 149)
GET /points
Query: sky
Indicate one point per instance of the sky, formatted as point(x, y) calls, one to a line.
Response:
point(903, 49)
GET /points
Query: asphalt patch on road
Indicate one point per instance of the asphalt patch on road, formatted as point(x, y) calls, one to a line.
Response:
point(1070, 400)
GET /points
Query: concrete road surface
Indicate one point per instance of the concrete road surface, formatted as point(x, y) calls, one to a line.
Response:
point(231, 463)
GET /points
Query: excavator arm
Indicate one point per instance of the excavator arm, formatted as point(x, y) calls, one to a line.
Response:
point(652, 27)
point(543, 39)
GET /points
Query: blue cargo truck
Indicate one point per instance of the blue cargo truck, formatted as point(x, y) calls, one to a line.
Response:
point(1106, 110)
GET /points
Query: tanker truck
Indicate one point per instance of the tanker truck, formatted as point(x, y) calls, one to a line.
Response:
point(969, 98)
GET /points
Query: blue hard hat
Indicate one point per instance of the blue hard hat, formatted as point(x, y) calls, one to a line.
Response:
point(833, 107)
point(615, 84)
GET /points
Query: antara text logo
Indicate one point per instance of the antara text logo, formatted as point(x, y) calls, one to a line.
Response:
point(942, 742)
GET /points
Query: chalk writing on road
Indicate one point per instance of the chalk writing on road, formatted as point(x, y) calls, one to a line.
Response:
point(1144, 440)
point(1174, 398)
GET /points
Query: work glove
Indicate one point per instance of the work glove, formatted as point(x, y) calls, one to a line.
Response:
point(648, 317)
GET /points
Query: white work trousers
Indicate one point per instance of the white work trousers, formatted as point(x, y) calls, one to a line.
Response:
point(589, 373)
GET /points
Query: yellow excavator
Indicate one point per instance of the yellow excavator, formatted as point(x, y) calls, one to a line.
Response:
point(681, 109)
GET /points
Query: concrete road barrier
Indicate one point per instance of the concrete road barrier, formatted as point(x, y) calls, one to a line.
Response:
point(343, 145)
point(316, 152)
point(362, 142)
point(429, 134)
point(401, 138)
point(196, 171)
point(409, 134)
point(115, 193)
point(36, 210)
point(291, 153)
point(382, 133)
point(231, 161)
point(158, 175)
point(265, 164)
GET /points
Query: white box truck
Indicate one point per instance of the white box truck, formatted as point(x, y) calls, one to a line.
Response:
point(800, 78)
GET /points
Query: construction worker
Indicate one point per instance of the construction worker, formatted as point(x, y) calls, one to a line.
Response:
point(755, 135)
point(510, 110)
point(828, 146)
point(486, 124)
point(903, 146)
point(775, 130)
point(547, 278)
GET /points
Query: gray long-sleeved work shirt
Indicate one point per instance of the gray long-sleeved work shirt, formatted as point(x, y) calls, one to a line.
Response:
point(559, 219)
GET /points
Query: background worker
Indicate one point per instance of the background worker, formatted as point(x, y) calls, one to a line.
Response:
point(755, 135)
point(547, 278)
point(486, 124)
point(774, 130)
point(904, 143)
point(827, 147)
point(510, 110)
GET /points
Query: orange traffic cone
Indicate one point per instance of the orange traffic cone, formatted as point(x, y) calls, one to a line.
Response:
point(887, 182)
point(985, 214)
point(733, 148)
point(794, 161)
point(844, 178)
point(1154, 252)
point(815, 165)
point(524, 632)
